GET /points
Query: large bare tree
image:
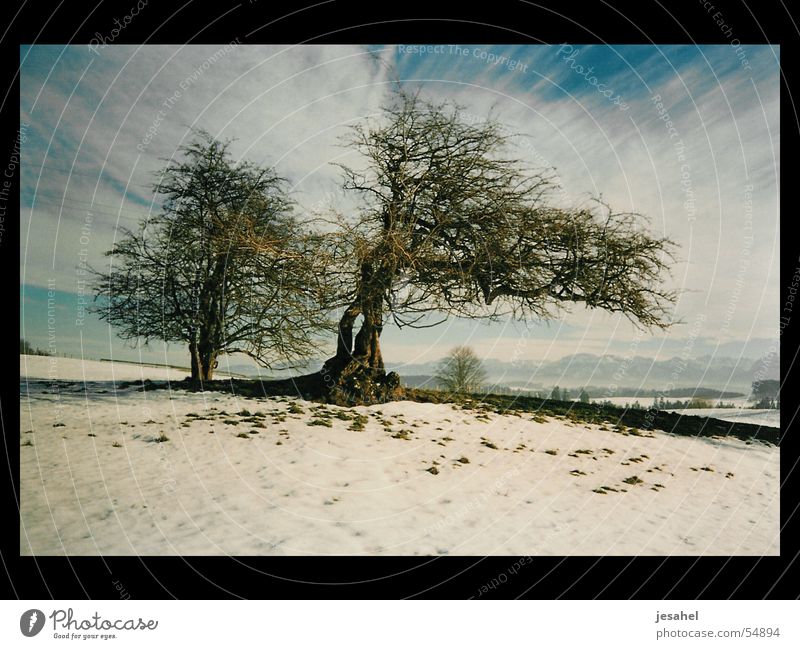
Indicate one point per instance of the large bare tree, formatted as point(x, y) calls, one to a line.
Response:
point(190, 274)
point(451, 224)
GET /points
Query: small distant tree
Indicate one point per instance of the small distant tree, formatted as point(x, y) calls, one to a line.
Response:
point(765, 393)
point(556, 394)
point(461, 371)
point(566, 395)
point(584, 397)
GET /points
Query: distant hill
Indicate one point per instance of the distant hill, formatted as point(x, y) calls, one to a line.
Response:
point(727, 375)
point(720, 376)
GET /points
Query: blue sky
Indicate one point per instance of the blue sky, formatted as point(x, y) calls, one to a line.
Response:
point(98, 127)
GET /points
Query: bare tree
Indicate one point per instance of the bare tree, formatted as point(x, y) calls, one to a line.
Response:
point(450, 225)
point(461, 371)
point(188, 274)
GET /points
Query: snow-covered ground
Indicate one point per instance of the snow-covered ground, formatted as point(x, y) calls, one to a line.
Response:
point(75, 369)
point(284, 476)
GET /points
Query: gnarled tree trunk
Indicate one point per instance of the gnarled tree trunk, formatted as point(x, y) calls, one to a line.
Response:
point(356, 374)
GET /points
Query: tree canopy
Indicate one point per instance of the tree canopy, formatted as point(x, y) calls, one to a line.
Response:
point(450, 223)
point(188, 274)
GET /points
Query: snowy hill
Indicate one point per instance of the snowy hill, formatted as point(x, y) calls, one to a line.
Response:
point(171, 472)
point(76, 369)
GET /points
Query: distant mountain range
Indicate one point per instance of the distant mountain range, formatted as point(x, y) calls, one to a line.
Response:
point(725, 373)
point(579, 370)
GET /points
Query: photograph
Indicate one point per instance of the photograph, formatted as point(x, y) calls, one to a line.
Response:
point(409, 300)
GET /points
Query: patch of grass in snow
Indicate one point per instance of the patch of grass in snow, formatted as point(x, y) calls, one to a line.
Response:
point(243, 435)
point(295, 409)
point(358, 422)
point(161, 439)
point(627, 421)
point(27, 442)
point(634, 479)
point(551, 451)
point(321, 422)
point(116, 444)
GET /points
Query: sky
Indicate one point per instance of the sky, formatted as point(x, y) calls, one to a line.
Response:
point(687, 136)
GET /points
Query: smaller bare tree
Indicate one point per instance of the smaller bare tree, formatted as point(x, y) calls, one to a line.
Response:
point(461, 371)
point(223, 267)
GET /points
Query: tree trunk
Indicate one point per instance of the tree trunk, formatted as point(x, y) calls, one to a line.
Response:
point(195, 361)
point(204, 361)
point(356, 374)
point(206, 345)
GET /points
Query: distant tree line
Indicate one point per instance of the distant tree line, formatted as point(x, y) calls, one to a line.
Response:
point(26, 348)
point(695, 404)
point(766, 393)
